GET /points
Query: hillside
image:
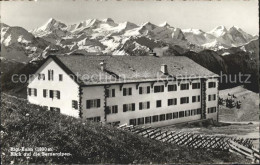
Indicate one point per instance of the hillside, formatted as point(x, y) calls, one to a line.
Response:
point(11, 72)
point(88, 142)
point(249, 110)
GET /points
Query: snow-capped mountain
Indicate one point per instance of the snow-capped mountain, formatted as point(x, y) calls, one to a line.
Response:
point(108, 37)
point(51, 31)
point(218, 38)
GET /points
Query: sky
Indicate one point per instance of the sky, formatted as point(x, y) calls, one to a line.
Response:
point(196, 14)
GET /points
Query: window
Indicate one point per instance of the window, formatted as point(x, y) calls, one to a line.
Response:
point(184, 100)
point(199, 111)
point(111, 92)
point(144, 90)
point(212, 110)
point(32, 91)
point(129, 107)
point(187, 113)
point(140, 121)
point(144, 105)
point(95, 103)
point(45, 93)
point(127, 91)
point(41, 76)
point(35, 92)
point(155, 118)
point(195, 99)
point(193, 112)
point(113, 109)
point(158, 89)
point(195, 85)
point(54, 94)
point(50, 74)
point(158, 103)
point(212, 84)
point(172, 88)
point(74, 104)
point(148, 119)
point(162, 117)
point(60, 77)
point(181, 114)
point(172, 102)
point(175, 115)
point(168, 116)
point(185, 86)
point(211, 97)
point(55, 109)
point(132, 122)
point(95, 119)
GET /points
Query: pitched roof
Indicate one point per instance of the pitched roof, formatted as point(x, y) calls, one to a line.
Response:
point(129, 68)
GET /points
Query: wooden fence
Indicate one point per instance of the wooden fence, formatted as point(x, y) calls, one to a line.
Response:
point(240, 146)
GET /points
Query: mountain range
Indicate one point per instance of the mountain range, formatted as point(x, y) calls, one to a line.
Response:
point(95, 36)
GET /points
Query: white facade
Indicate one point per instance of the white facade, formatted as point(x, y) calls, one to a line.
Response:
point(69, 89)
point(97, 97)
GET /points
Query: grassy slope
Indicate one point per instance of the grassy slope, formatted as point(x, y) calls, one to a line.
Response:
point(249, 110)
point(87, 142)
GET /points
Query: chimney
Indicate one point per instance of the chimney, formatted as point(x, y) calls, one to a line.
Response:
point(164, 69)
point(102, 65)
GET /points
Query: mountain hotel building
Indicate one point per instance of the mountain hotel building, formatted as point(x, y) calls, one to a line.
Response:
point(136, 90)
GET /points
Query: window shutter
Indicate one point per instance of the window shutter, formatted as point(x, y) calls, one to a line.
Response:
point(49, 75)
point(148, 105)
point(140, 106)
point(60, 77)
point(116, 109)
point(148, 89)
point(29, 91)
point(130, 91)
point(168, 102)
point(162, 88)
point(58, 94)
point(124, 108)
point(124, 91)
point(88, 104)
point(98, 103)
point(113, 93)
point(44, 93)
point(140, 90)
point(51, 93)
point(133, 106)
point(35, 92)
